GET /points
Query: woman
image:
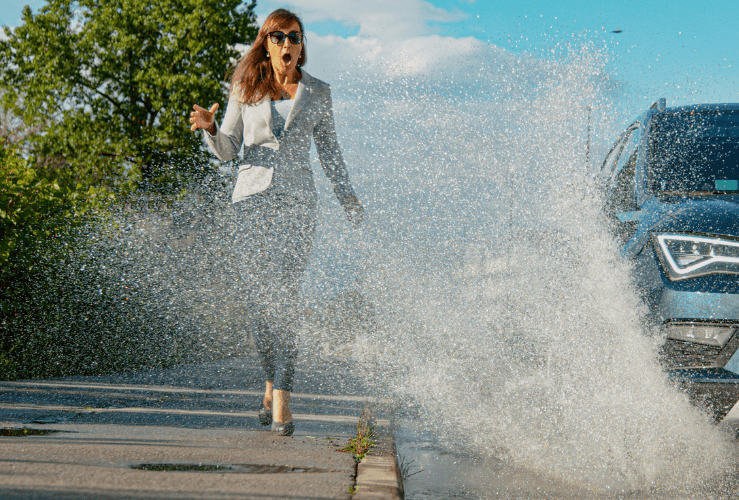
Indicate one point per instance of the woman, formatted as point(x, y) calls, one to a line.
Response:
point(274, 109)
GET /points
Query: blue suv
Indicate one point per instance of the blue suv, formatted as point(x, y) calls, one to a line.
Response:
point(671, 185)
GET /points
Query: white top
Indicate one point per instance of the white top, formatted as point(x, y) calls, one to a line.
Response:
point(280, 111)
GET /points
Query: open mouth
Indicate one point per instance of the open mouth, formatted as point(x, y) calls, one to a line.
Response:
point(286, 57)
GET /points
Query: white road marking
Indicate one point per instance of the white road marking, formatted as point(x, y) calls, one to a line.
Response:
point(180, 390)
point(175, 411)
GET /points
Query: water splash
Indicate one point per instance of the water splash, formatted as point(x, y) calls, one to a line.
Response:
point(505, 315)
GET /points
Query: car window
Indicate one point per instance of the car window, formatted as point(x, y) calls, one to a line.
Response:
point(623, 195)
point(628, 150)
point(621, 186)
point(695, 151)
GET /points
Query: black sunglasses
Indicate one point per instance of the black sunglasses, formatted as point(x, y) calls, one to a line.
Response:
point(278, 37)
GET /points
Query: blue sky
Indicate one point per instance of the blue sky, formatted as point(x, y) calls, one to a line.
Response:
point(685, 51)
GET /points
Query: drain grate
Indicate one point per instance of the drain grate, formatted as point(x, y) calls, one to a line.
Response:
point(233, 468)
point(8, 432)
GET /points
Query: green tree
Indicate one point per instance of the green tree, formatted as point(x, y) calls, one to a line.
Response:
point(111, 82)
point(96, 95)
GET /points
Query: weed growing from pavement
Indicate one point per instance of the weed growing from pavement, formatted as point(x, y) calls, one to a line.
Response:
point(360, 445)
point(405, 467)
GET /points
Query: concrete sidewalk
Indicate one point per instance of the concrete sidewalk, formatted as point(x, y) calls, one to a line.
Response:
point(190, 432)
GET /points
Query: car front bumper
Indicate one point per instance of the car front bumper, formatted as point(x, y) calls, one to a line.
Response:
point(710, 378)
point(679, 305)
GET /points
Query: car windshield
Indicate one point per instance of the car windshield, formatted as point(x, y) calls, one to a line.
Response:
point(694, 152)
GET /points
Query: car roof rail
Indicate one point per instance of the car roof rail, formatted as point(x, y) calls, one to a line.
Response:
point(660, 105)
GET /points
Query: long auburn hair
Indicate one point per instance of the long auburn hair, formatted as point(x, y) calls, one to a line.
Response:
point(252, 77)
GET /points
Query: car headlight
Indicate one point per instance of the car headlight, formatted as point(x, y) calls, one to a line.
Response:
point(687, 256)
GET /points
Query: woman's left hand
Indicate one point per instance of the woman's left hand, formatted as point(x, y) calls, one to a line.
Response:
point(354, 210)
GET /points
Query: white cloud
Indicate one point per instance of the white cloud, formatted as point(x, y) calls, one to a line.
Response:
point(388, 19)
point(397, 39)
point(422, 58)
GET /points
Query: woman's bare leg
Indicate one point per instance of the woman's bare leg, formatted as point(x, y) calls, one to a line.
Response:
point(267, 401)
point(281, 409)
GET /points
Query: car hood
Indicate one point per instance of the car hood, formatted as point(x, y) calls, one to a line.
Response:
point(717, 215)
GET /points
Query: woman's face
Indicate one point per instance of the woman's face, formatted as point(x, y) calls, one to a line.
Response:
point(284, 57)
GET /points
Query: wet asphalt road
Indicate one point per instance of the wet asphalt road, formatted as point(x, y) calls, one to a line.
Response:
point(432, 471)
point(200, 414)
point(204, 395)
point(226, 395)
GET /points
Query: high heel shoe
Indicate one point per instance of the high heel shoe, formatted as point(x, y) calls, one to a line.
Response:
point(265, 415)
point(283, 429)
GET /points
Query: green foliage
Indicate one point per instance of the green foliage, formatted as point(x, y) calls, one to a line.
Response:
point(38, 209)
point(89, 288)
point(111, 82)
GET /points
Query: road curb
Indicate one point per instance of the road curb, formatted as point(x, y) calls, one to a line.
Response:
point(378, 474)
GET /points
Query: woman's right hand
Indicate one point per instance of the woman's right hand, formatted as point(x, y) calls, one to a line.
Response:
point(353, 209)
point(203, 118)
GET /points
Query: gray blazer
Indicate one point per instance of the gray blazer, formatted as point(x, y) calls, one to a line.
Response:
point(246, 133)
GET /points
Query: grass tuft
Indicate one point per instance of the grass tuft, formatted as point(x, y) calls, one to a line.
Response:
point(364, 441)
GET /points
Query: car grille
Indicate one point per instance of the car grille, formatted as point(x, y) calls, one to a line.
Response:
point(680, 354)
